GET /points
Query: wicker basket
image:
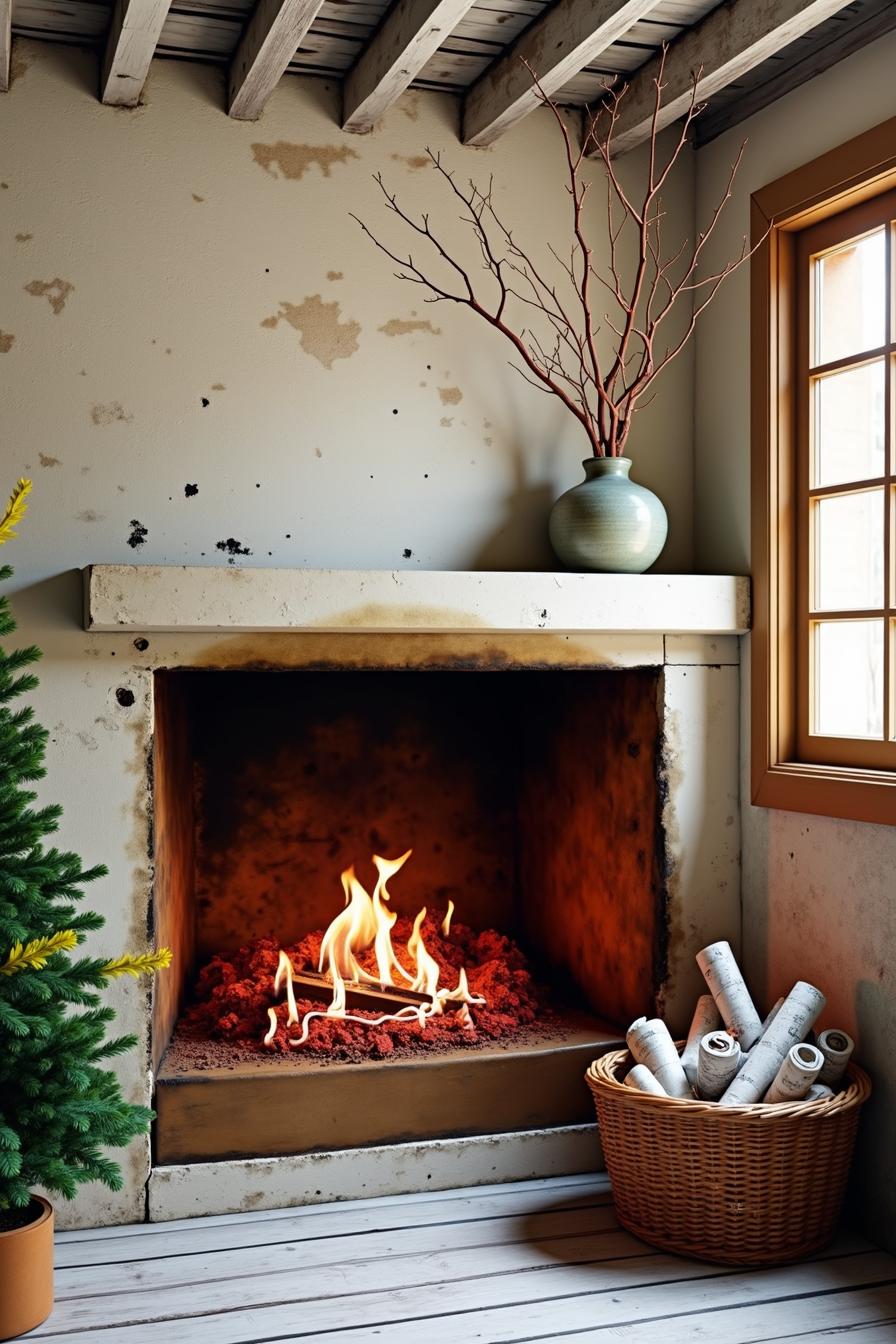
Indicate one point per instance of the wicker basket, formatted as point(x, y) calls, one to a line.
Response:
point(739, 1185)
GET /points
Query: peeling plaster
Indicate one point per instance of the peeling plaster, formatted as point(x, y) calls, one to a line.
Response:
point(56, 292)
point(397, 326)
point(322, 335)
point(450, 395)
point(414, 161)
point(46, 461)
point(6, 342)
point(295, 160)
point(334, 275)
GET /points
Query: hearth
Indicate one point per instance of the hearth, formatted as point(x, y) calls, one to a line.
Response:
point(478, 974)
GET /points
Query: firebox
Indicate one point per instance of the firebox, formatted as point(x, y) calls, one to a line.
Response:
point(404, 904)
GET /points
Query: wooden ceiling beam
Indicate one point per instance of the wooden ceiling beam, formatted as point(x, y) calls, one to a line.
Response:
point(5, 43)
point(130, 46)
point(558, 46)
point(412, 32)
point(724, 46)
point(272, 35)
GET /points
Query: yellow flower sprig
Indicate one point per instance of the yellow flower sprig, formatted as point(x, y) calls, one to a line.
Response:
point(15, 510)
point(33, 956)
point(138, 963)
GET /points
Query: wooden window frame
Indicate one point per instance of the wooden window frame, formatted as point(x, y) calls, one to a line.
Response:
point(839, 180)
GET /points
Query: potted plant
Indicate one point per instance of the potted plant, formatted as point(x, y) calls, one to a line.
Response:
point(548, 312)
point(60, 1107)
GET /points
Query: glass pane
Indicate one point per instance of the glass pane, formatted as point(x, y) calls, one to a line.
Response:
point(849, 425)
point(849, 551)
point(849, 673)
point(850, 293)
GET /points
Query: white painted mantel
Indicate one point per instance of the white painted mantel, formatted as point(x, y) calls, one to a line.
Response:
point(142, 619)
point(196, 598)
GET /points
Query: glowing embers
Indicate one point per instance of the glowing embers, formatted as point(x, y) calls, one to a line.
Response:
point(366, 922)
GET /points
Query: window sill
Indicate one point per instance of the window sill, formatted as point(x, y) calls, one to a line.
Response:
point(828, 791)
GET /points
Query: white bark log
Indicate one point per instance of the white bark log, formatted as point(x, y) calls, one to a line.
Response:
point(722, 975)
point(706, 1018)
point(719, 1058)
point(652, 1046)
point(799, 1011)
point(799, 1070)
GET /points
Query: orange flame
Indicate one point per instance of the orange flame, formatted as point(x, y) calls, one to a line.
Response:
point(368, 922)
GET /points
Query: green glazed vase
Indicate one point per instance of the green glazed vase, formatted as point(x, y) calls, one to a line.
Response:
point(607, 523)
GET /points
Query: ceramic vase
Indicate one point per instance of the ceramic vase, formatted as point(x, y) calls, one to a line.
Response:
point(608, 523)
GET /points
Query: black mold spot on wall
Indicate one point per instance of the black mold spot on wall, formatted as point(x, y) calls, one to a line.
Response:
point(407, 552)
point(141, 644)
point(205, 401)
point(139, 533)
point(232, 548)
point(124, 697)
point(191, 490)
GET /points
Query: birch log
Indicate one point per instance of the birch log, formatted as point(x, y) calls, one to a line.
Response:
point(718, 1062)
point(652, 1046)
point(722, 975)
point(819, 1092)
point(836, 1047)
point(799, 1070)
point(799, 1010)
point(706, 1018)
point(642, 1080)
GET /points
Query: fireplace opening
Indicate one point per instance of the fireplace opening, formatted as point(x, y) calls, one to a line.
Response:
point(314, 1004)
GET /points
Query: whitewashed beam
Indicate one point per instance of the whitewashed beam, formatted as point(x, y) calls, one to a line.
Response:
point(558, 46)
point(130, 46)
point(5, 43)
point(272, 35)
point(724, 46)
point(412, 31)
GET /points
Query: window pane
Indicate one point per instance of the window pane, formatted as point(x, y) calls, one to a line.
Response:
point(849, 551)
point(849, 670)
point(850, 294)
point(849, 425)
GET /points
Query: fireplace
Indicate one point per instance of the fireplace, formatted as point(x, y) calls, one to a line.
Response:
point(529, 799)
point(596, 700)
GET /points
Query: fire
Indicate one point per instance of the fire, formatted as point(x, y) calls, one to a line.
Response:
point(367, 921)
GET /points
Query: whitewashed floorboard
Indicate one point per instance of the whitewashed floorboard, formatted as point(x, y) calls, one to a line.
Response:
point(521, 1264)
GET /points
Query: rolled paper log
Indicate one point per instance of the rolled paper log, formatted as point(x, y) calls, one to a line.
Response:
point(706, 1018)
point(799, 1070)
point(819, 1092)
point(651, 1045)
point(836, 1047)
point(642, 1080)
point(722, 974)
point(719, 1061)
point(771, 1017)
point(799, 1010)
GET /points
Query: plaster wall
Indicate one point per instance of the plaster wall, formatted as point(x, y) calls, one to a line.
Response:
point(818, 894)
point(203, 361)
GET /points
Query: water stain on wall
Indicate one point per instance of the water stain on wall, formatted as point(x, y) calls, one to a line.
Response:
point(321, 333)
point(90, 516)
point(109, 413)
point(24, 237)
point(450, 396)
point(293, 161)
point(218, 387)
point(6, 340)
point(397, 326)
point(414, 161)
point(46, 461)
point(334, 275)
point(19, 64)
point(56, 292)
point(198, 199)
point(446, 421)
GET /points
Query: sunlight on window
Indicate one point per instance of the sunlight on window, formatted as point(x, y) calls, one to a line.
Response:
point(849, 670)
point(849, 302)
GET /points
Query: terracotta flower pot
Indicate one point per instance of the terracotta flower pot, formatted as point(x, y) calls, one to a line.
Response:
point(26, 1272)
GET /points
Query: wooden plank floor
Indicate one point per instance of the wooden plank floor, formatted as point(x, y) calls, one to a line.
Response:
point(507, 1264)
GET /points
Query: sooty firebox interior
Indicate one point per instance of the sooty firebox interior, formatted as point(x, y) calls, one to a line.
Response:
point(530, 801)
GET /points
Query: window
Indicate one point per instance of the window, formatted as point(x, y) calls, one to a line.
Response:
point(824, 485)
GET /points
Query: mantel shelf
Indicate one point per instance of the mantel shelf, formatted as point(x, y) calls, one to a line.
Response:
point(198, 598)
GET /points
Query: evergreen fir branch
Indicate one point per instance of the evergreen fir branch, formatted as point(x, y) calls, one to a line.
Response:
point(35, 954)
point(15, 510)
point(138, 963)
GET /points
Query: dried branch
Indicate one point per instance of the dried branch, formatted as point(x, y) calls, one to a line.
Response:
point(602, 392)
